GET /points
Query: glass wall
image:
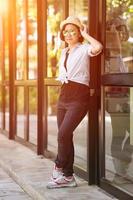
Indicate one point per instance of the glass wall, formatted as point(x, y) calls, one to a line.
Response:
point(26, 70)
point(119, 136)
point(119, 99)
point(119, 36)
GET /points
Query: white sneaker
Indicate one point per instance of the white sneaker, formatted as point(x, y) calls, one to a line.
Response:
point(57, 172)
point(61, 182)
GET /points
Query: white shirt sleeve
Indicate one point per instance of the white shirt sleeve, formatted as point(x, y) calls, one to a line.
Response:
point(90, 51)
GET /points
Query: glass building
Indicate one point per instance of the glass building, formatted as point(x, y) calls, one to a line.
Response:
point(29, 52)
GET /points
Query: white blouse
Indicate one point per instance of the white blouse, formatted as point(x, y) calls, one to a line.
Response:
point(77, 64)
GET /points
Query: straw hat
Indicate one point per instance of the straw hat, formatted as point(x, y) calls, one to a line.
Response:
point(70, 20)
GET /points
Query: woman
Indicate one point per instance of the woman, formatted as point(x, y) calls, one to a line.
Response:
point(74, 97)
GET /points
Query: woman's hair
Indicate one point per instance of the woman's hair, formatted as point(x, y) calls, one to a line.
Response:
point(81, 39)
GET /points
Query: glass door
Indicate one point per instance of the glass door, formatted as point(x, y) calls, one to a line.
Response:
point(117, 93)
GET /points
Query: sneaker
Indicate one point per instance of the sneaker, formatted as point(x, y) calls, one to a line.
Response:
point(57, 172)
point(61, 182)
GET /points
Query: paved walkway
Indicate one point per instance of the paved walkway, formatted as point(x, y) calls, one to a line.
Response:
point(9, 189)
point(32, 172)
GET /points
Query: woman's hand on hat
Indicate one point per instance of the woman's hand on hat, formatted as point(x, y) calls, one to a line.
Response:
point(83, 30)
point(96, 46)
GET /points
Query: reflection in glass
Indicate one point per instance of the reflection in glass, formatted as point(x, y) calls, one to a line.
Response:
point(20, 112)
point(33, 115)
point(119, 37)
point(7, 108)
point(119, 136)
point(53, 41)
point(32, 39)
point(21, 40)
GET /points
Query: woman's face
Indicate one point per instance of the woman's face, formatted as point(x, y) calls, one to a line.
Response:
point(71, 34)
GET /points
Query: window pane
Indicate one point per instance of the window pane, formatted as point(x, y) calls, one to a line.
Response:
point(80, 140)
point(7, 108)
point(20, 112)
point(21, 40)
point(119, 136)
point(32, 39)
point(119, 37)
point(79, 8)
point(53, 93)
point(33, 115)
point(55, 12)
